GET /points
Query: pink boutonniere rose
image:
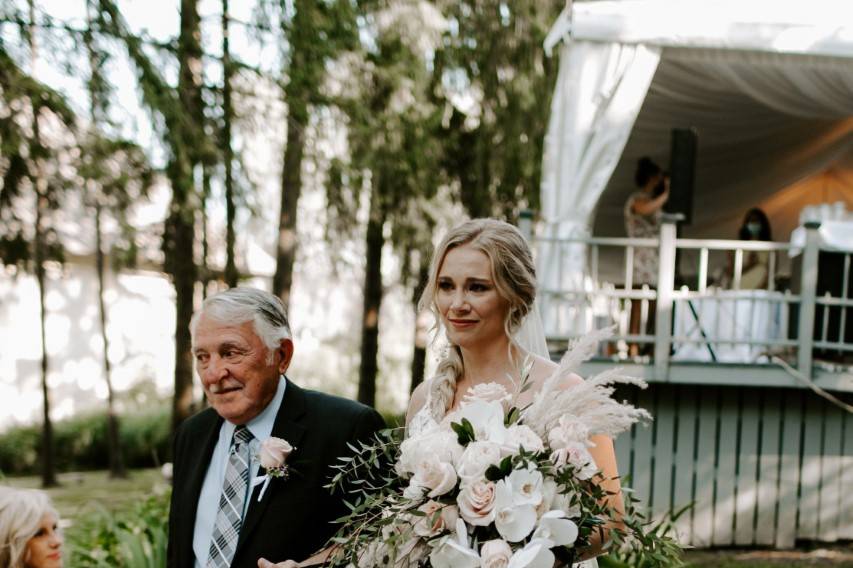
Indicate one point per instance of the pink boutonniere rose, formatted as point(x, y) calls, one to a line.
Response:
point(273, 455)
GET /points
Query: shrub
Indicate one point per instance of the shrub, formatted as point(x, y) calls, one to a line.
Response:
point(81, 443)
point(133, 539)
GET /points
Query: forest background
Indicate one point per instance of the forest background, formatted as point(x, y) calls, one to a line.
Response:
point(189, 138)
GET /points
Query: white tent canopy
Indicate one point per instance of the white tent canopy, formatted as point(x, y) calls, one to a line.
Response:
point(768, 85)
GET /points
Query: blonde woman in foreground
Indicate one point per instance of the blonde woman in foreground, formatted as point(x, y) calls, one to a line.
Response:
point(29, 530)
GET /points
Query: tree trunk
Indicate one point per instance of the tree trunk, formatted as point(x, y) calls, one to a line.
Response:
point(421, 334)
point(231, 274)
point(303, 80)
point(48, 466)
point(116, 462)
point(291, 186)
point(204, 269)
point(113, 442)
point(180, 224)
point(375, 240)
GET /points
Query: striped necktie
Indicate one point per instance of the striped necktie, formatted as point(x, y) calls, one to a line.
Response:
point(229, 518)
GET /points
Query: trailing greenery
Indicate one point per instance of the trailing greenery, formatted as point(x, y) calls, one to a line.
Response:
point(81, 443)
point(376, 504)
point(131, 539)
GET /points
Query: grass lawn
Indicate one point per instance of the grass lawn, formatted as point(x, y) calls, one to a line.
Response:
point(84, 493)
point(835, 556)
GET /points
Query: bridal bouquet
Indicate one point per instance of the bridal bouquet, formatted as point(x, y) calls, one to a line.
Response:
point(492, 484)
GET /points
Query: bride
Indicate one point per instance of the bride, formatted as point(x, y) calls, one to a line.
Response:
point(482, 287)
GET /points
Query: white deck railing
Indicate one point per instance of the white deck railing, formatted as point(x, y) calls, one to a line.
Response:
point(698, 320)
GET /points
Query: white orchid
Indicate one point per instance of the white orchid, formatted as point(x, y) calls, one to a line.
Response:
point(526, 486)
point(514, 518)
point(454, 551)
point(536, 554)
point(555, 527)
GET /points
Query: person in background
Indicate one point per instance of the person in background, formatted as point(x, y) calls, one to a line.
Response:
point(643, 212)
point(756, 264)
point(29, 530)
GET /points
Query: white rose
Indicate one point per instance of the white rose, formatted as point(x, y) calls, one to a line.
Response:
point(487, 419)
point(476, 459)
point(476, 503)
point(553, 526)
point(488, 392)
point(513, 520)
point(437, 476)
point(537, 554)
point(437, 519)
point(274, 452)
point(570, 430)
point(577, 456)
point(519, 435)
point(495, 554)
point(439, 443)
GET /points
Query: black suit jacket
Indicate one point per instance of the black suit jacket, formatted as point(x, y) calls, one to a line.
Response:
point(293, 520)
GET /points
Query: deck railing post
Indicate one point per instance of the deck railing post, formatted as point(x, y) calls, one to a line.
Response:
point(666, 282)
point(808, 295)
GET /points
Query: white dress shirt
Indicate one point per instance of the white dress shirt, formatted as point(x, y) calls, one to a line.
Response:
point(211, 489)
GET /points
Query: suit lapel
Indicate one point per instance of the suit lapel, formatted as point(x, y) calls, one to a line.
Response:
point(288, 426)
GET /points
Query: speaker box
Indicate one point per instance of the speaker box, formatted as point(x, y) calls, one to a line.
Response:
point(682, 168)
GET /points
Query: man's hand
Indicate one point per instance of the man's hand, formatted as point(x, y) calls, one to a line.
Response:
point(264, 563)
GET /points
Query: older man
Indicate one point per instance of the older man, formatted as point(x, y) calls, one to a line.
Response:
point(224, 511)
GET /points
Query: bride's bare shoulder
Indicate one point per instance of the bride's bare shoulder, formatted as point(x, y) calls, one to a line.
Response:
point(544, 368)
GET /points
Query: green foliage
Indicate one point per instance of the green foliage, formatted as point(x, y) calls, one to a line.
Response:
point(494, 149)
point(464, 432)
point(644, 543)
point(81, 443)
point(378, 509)
point(23, 156)
point(131, 539)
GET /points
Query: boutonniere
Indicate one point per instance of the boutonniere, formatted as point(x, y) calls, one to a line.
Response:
point(273, 455)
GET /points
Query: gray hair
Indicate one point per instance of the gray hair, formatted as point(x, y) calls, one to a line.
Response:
point(240, 305)
point(21, 511)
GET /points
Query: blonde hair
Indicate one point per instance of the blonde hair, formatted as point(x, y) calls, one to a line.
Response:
point(21, 512)
point(515, 280)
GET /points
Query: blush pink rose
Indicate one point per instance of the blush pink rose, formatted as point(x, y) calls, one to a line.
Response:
point(495, 554)
point(274, 452)
point(430, 525)
point(477, 503)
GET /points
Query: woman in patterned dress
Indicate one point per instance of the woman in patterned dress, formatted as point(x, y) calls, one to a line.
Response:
point(643, 212)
